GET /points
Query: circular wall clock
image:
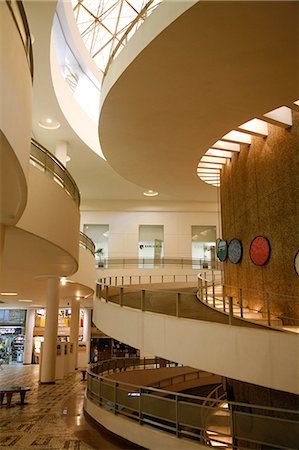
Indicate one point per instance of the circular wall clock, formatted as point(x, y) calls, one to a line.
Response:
point(296, 263)
point(259, 251)
point(235, 251)
point(222, 250)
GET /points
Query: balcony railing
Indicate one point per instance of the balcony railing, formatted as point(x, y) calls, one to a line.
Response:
point(196, 417)
point(42, 159)
point(274, 310)
point(149, 263)
point(87, 243)
point(19, 16)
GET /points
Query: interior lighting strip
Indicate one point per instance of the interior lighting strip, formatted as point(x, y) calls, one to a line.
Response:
point(221, 151)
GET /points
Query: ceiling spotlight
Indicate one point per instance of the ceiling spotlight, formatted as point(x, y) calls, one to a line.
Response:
point(49, 124)
point(68, 158)
point(150, 193)
point(63, 281)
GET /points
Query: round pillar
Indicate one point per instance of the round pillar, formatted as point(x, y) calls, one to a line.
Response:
point(87, 331)
point(74, 333)
point(30, 322)
point(48, 363)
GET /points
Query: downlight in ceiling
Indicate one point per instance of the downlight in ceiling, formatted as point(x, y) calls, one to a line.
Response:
point(150, 193)
point(49, 124)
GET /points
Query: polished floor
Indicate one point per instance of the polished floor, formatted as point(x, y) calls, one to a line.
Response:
point(52, 417)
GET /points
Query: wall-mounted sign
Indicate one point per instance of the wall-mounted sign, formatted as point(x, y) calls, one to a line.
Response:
point(259, 251)
point(235, 251)
point(296, 262)
point(222, 250)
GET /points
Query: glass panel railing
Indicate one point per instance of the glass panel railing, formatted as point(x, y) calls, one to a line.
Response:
point(236, 425)
point(43, 160)
point(19, 16)
point(87, 243)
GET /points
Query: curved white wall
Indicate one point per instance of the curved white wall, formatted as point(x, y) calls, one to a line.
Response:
point(16, 89)
point(262, 357)
point(86, 273)
point(15, 114)
point(163, 16)
point(51, 213)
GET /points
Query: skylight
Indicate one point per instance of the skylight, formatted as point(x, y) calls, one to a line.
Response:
point(106, 25)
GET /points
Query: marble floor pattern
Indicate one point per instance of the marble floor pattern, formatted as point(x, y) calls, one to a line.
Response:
point(52, 417)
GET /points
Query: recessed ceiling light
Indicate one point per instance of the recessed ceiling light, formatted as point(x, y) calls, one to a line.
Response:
point(77, 297)
point(63, 281)
point(25, 301)
point(49, 124)
point(8, 293)
point(150, 193)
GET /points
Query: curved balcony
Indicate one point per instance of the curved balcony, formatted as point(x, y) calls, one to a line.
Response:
point(16, 105)
point(202, 420)
point(87, 243)
point(53, 202)
point(209, 98)
point(232, 344)
point(42, 159)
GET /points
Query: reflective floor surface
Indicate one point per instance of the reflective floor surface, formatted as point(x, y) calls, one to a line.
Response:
point(52, 417)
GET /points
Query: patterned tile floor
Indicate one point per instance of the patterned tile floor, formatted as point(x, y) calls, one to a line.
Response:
point(53, 416)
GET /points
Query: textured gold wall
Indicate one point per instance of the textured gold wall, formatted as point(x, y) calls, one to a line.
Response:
point(259, 196)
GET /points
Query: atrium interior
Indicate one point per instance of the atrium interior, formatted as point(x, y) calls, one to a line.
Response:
point(149, 224)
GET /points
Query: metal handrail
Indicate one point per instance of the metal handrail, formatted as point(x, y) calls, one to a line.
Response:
point(19, 16)
point(119, 280)
point(43, 159)
point(87, 243)
point(232, 299)
point(105, 366)
point(185, 415)
point(158, 262)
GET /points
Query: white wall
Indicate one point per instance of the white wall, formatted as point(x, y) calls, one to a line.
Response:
point(51, 213)
point(124, 229)
point(263, 357)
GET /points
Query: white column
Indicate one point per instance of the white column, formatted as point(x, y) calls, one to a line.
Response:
point(48, 364)
point(61, 151)
point(87, 331)
point(74, 332)
point(28, 347)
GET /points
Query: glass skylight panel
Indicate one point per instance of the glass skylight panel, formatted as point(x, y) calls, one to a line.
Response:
point(106, 25)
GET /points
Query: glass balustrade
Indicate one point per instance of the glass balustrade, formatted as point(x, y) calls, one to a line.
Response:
point(43, 160)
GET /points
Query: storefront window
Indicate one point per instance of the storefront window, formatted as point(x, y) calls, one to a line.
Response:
point(12, 322)
point(150, 245)
point(100, 236)
point(203, 245)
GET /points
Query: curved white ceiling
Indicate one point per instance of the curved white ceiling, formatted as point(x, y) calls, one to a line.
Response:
point(218, 65)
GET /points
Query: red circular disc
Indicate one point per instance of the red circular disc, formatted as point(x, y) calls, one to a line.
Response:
point(259, 250)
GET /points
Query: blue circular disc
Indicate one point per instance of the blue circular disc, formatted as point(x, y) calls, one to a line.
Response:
point(235, 251)
point(222, 250)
